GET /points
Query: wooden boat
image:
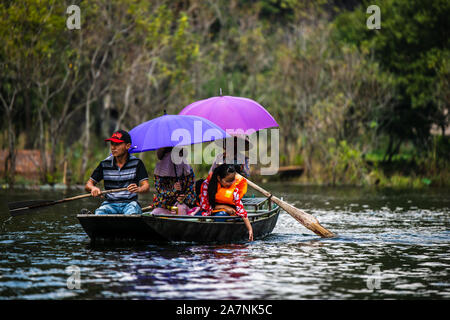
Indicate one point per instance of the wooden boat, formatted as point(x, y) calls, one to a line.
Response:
point(161, 228)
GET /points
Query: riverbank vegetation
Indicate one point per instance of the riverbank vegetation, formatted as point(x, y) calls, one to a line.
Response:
point(355, 106)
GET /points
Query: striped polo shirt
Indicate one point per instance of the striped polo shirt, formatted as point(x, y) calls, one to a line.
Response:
point(133, 171)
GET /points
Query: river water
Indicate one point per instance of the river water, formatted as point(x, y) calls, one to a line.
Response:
point(390, 244)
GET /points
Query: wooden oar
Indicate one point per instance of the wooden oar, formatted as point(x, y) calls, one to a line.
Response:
point(18, 208)
point(304, 218)
point(149, 208)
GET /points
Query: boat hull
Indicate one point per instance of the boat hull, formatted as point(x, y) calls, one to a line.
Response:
point(117, 227)
point(206, 231)
point(160, 228)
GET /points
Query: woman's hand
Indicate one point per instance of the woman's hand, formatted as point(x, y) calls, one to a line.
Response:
point(180, 198)
point(249, 228)
point(230, 210)
point(250, 235)
point(227, 209)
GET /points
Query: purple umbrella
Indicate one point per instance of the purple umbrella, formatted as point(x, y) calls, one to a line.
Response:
point(173, 130)
point(232, 113)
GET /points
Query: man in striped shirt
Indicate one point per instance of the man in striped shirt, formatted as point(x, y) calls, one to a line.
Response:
point(120, 170)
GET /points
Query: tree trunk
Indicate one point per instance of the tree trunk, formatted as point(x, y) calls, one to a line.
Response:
point(87, 136)
point(54, 139)
point(388, 151)
point(106, 116)
point(11, 158)
point(10, 163)
point(29, 138)
point(285, 149)
point(125, 108)
point(395, 151)
point(42, 149)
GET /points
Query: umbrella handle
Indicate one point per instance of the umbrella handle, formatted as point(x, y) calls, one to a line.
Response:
point(175, 168)
point(176, 175)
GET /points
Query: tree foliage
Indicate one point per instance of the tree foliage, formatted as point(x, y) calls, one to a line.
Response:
point(412, 45)
point(337, 89)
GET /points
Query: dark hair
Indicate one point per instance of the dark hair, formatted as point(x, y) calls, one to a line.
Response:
point(238, 168)
point(198, 188)
point(221, 171)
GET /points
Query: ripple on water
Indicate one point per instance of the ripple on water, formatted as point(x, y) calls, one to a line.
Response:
point(402, 242)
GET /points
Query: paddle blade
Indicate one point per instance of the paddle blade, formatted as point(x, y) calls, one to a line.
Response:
point(304, 218)
point(24, 207)
point(23, 204)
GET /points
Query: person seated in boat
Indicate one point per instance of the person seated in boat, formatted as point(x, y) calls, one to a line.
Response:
point(174, 183)
point(221, 194)
point(120, 170)
point(235, 155)
point(194, 210)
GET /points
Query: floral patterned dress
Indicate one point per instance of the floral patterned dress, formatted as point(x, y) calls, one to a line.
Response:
point(167, 195)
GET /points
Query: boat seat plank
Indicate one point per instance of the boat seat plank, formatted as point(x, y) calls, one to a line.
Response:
point(253, 201)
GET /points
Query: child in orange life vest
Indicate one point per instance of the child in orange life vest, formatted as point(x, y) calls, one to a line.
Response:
point(221, 195)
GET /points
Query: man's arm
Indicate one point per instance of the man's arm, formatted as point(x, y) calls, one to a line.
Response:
point(96, 177)
point(142, 177)
point(92, 189)
point(144, 187)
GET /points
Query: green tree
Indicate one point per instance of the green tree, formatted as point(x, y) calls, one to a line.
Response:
point(413, 45)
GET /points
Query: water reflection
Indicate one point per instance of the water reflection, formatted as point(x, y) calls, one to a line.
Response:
point(388, 245)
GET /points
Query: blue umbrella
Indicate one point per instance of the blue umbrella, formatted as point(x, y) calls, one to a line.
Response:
point(173, 130)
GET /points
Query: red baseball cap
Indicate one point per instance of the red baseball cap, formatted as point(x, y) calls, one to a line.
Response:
point(120, 136)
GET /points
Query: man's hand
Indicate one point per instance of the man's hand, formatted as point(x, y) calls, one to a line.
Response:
point(133, 188)
point(180, 198)
point(95, 192)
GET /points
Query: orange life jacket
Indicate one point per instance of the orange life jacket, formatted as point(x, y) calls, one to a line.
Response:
point(225, 195)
